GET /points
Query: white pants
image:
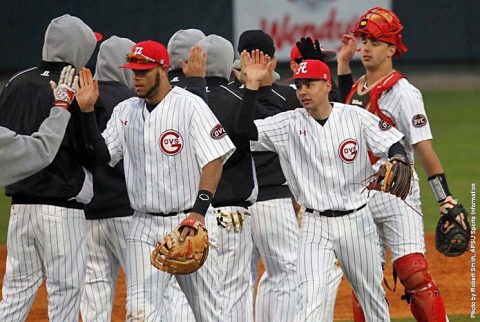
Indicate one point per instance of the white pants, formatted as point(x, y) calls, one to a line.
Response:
point(175, 304)
point(146, 285)
point(107, 248)
point(400, 228)
point(275, 235)
point(234, 253)
point(44, 242)
point(354, 241)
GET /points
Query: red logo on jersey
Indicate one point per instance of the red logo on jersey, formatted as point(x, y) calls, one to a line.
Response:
point(384, 125)
point(419, 120)
point(171, 142)
point(348, 150)
point(218, 132)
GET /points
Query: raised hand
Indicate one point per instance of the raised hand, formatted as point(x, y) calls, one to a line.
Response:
point(256, 68)
point(346, 53)
point(87, 91)
point(196, 65)
point(63, 92)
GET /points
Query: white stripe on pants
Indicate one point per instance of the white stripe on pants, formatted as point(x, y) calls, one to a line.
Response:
point(107, 247)
point(44, 242)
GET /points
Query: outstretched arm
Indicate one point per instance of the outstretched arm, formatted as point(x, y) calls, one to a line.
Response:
point(23, 155)
point(87, 95)
point(255, 67)
point(344, 73)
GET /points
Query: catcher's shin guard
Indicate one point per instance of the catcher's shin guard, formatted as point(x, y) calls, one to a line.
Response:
point(421, 291)
point(358, 315)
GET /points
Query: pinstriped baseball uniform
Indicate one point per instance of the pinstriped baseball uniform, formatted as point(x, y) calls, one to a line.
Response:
point(33, 234)
point(106, 254)
point(325, 166)
point(400, 227)
point(163, 152)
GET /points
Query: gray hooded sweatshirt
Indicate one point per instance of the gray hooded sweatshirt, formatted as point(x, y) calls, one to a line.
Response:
point(59, 47)
point(23, 155)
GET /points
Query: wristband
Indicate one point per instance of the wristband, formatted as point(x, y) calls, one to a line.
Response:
point(439, 186)
point(203, 201)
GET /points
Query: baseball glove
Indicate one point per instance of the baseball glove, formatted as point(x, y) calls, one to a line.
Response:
point(453, 232)
point(310, 49)
point(175, 257)
point(394, 177)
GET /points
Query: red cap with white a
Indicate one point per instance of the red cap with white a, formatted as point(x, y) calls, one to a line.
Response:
point(312, 69)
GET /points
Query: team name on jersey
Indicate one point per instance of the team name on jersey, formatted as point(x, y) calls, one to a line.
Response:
point(171, 142)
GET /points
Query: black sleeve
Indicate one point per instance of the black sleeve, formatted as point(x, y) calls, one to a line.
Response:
point(397, 148)
point(96, 148)
point(244, 119)
point(265, 104)
point(334, 95)
point(197, 86)
point(345, 83)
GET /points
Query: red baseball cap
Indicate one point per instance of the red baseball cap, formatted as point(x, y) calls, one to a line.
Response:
point(312, 69)
point(295, 55)
point(98, 36)
point(147, 55)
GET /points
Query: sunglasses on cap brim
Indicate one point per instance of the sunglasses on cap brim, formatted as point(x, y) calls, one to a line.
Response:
point(140, 59)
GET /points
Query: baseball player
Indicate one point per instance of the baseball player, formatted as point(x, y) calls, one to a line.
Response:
point(183, 56)
point(329, 140)
point(333, 96)
point(388, 94)
point(173, 149)
point(273, 223)
point(46, 238)
point(108, 214)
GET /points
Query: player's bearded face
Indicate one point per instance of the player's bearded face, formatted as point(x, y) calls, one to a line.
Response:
point(146, 83)
point(375, 53)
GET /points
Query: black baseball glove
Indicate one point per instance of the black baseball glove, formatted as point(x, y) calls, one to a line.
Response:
point(453, 232)
point(310, 49)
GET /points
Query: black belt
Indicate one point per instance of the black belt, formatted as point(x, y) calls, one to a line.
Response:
point(170, 214)
point(335, 213)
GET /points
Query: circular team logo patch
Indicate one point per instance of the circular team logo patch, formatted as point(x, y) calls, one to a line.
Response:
point(171, 142)
point(348, 150)
point(218, 132)
point(419, 120)
point(384, 125)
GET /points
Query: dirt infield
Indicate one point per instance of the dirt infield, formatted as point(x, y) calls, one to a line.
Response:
point(451, 274)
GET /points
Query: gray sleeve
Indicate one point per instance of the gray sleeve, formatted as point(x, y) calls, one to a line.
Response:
point(23, 155)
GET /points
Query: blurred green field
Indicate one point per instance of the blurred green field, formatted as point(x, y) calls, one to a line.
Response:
point(454, 117)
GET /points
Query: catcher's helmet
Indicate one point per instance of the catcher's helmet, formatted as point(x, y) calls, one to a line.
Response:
point(381, 24)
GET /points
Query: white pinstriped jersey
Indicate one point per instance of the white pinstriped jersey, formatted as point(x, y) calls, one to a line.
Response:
point(339, 150)
point(164, 151)
point(404, 104)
